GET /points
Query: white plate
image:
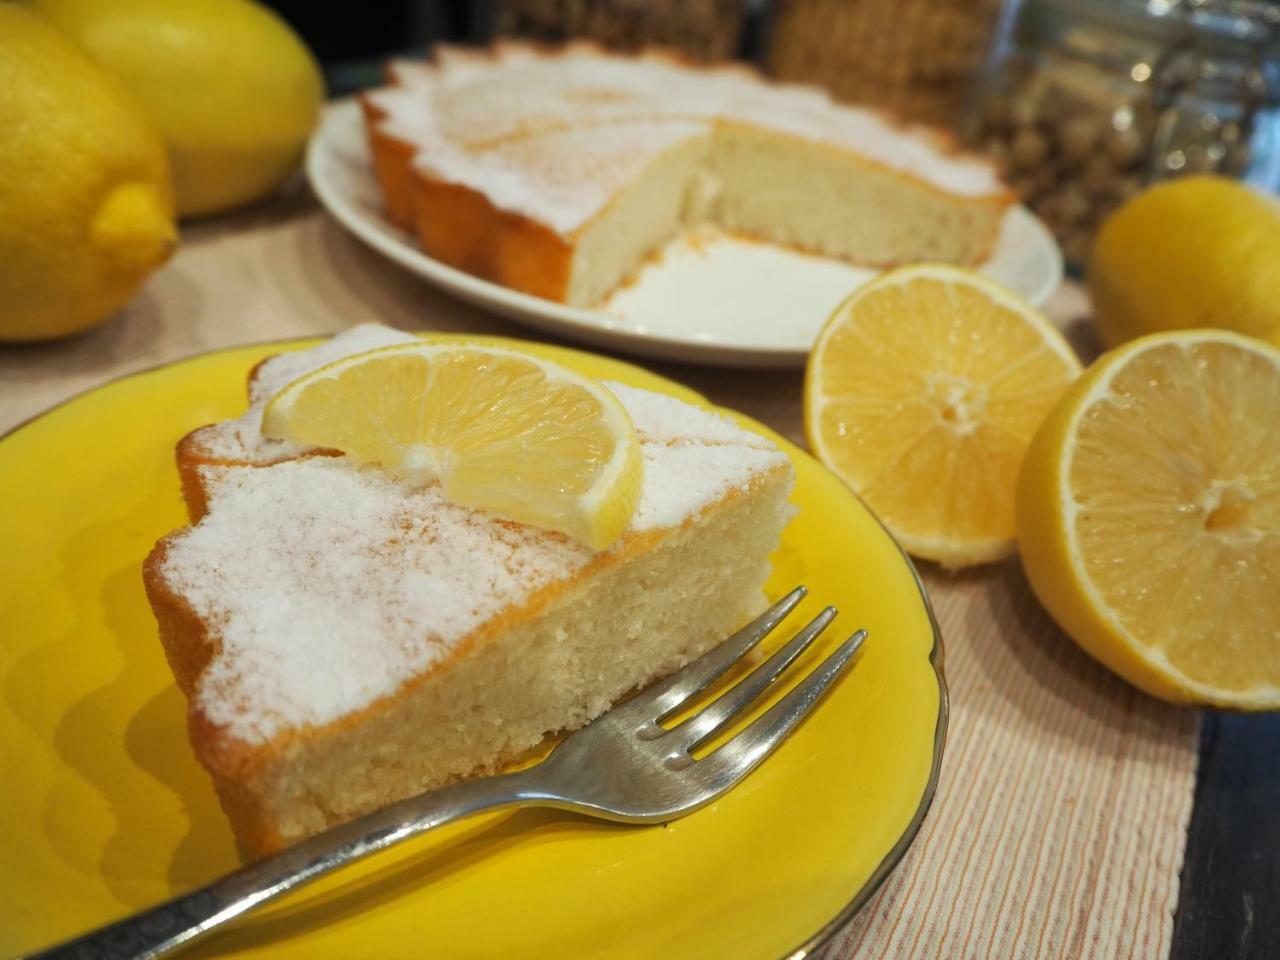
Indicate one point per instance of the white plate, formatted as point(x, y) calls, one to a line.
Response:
point(708, 298)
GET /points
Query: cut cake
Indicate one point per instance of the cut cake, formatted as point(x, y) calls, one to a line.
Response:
point(345, 641)
point(556, 171)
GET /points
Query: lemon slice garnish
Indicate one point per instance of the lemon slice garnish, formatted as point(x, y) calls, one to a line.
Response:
point(499, 430)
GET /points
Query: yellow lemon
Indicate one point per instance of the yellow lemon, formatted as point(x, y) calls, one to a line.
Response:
point(86, 211)
point(499, 430)
point(922, 392)
point(231, 88)
point(1196, 252)
point(1148, 516)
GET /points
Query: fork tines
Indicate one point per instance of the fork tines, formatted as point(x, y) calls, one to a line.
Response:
point(753, 743)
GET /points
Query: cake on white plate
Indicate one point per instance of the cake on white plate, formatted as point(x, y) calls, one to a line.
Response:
point(345, 640)
point(556, 171)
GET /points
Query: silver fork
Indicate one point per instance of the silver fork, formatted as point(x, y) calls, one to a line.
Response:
point(624, 766)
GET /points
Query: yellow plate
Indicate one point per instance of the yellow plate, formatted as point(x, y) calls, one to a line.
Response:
point(105, 810)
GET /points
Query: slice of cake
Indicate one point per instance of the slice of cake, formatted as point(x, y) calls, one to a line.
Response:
point(556, 171)
point(566, 215)
point(345, 640)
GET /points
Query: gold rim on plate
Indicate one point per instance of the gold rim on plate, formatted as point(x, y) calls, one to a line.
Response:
point(216, 366)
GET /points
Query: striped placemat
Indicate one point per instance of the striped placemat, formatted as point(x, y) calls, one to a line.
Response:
point(1060, 819)
point(1061, 814)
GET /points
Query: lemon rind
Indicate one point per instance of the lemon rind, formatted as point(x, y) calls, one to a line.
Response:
point(626, 457)
point(1261, 697)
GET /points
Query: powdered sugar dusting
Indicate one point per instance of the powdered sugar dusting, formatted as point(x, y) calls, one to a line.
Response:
point(681, 480)
point(660, 419)
point(279, 371)
point(240, 440)
point(503, 123)
point(329, 586)
point(564, 178)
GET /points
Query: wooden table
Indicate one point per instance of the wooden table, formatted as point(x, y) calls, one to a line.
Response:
point(1230, 895)
point(1229, 906)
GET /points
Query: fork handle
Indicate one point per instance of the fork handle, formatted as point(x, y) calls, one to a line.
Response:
point(185, 919)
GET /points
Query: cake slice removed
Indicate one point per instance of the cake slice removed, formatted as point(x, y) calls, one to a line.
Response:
point(346, 640)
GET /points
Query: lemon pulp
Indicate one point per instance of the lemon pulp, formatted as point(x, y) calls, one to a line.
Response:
point(1172, 473)
point(500, 431)
point(923, 391)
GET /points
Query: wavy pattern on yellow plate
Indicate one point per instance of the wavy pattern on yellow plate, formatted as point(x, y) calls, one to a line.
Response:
point(107, 811)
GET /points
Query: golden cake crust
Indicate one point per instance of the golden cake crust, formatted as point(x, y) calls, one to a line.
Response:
point(190, 643)
point(463, 228)
point(247, 770)
point(476, 228)
point(392, 165)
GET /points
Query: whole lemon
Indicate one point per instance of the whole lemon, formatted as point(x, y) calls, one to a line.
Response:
point(232, 89)
point(1201, 251)
point(86, 209)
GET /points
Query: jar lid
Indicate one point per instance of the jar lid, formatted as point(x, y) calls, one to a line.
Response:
point(1214, 23)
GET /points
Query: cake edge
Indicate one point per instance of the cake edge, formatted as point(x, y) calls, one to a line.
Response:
point(190, 645)
point(523, 254)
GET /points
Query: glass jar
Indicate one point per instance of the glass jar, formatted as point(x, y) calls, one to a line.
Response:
point(1088, 101)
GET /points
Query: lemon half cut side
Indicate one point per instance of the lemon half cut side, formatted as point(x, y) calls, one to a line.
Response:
point(922, 392)
point(1149, 516)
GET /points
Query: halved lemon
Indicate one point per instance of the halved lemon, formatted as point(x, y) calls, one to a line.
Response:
point(1149, 516)
point(499, 430)
point(922, 392)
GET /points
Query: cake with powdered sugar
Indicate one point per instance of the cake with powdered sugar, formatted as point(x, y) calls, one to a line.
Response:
point(556, 171)
point(345, 640)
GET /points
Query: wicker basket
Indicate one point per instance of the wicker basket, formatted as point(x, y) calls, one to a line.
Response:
point(702, 29)
point(919, 58)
